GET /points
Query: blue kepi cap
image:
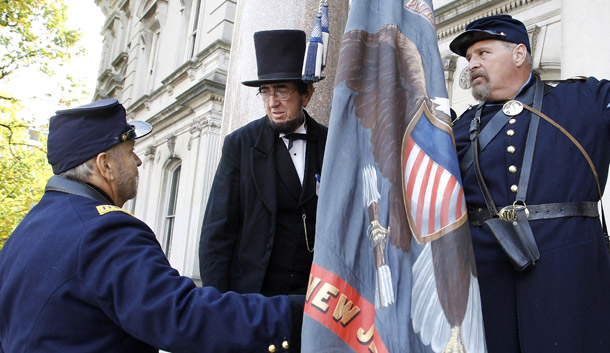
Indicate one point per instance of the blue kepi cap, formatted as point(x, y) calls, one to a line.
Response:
point(500, 27)
point(79, 134)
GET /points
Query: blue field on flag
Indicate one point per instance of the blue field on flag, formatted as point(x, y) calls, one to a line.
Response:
point(393, 266)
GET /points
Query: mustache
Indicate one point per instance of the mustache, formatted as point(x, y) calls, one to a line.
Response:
point(478, 73)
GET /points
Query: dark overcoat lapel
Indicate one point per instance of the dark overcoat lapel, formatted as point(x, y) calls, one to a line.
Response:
point(264, 165)
point(313, 161)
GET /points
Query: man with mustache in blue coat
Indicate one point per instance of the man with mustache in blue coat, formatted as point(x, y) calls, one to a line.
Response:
point(80, 274)
point(534, 161)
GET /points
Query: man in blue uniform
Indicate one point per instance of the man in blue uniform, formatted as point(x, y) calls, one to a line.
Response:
point(534, 162)
point(259, 226)
point(80, 274)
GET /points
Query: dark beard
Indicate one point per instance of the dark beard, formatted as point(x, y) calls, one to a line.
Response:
point(287, 127)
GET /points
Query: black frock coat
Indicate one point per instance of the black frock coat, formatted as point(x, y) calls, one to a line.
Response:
point(239, 225)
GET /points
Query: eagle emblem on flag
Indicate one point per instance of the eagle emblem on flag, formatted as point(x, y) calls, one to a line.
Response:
point(434, 198)
point(395, 271)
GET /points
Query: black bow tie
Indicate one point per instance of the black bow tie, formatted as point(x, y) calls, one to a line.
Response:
point(294, 136)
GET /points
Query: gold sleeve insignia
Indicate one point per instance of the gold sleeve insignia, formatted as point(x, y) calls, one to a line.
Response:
point(103, 209)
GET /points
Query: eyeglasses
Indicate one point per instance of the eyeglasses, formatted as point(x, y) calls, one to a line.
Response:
point(281, 94)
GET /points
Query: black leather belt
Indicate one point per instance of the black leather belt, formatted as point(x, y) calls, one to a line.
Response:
point(544, 211)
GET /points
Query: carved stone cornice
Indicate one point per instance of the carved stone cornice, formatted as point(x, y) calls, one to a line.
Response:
point(150, 151)
point(534, 41)
point(120, 61)
point(211, 90)
point(149, 8)
point(449, 66)
point(452, 18)
point(205, 122)
point(171, 145)
point(208, 123)
point(188, 69)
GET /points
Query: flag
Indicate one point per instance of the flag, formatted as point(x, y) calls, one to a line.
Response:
point(393, 268)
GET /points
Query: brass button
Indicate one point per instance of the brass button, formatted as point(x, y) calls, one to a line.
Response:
point(285, 345)
point(511, 149)
point(272, 348)
point(512, 169)
point(512, 121)
point(514, 188)
point(510, 132)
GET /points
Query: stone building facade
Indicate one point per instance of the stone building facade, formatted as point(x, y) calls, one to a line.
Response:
point(166, 61)
point(169, 62)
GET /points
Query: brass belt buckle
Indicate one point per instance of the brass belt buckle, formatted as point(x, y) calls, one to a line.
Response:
point(509, 213)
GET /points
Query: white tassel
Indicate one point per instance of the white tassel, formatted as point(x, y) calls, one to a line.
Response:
point(384, 293)
point(325, 23)
point(325, 38)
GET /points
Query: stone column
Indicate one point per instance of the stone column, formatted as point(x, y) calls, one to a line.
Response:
point(203, 144)
point(585, 25)
point(241, 104)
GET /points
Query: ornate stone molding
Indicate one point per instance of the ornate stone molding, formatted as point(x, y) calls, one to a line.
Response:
point(205, 122)
point(149, 155)
point(464, 79)
point(150, 8)
point(191, 75)
point(150, 152)
point(453, 18)
point(449, 66)
point(171, 145)
point(534, 38)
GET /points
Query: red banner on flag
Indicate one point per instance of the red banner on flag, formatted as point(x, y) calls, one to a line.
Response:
point(335, 304)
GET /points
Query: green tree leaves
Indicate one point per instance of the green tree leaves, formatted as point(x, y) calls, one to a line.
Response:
point(24, 170)
point(33, 33)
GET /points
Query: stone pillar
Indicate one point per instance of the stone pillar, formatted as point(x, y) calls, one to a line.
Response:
point(144, 189)
point(585, 25)
point(241, 104)
point(203, 144)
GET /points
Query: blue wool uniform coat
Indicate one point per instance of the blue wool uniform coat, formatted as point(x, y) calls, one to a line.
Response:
point(239, 227)
point(563, 303)
point(76, 279)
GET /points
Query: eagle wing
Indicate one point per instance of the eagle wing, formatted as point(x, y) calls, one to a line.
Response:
point(383, 68)
point(386, 71)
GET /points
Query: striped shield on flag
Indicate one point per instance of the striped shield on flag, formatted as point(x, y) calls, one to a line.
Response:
point(434, 198)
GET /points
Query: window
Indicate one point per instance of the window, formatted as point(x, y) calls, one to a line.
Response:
point(170, 215)
point(194, 29)
point(152, 59)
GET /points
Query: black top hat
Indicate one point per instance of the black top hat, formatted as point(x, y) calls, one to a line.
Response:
point(78, 134)
point(279, 56)
point(501, 27)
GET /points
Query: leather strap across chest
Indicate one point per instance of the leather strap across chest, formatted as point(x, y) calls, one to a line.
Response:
point(542, 211)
